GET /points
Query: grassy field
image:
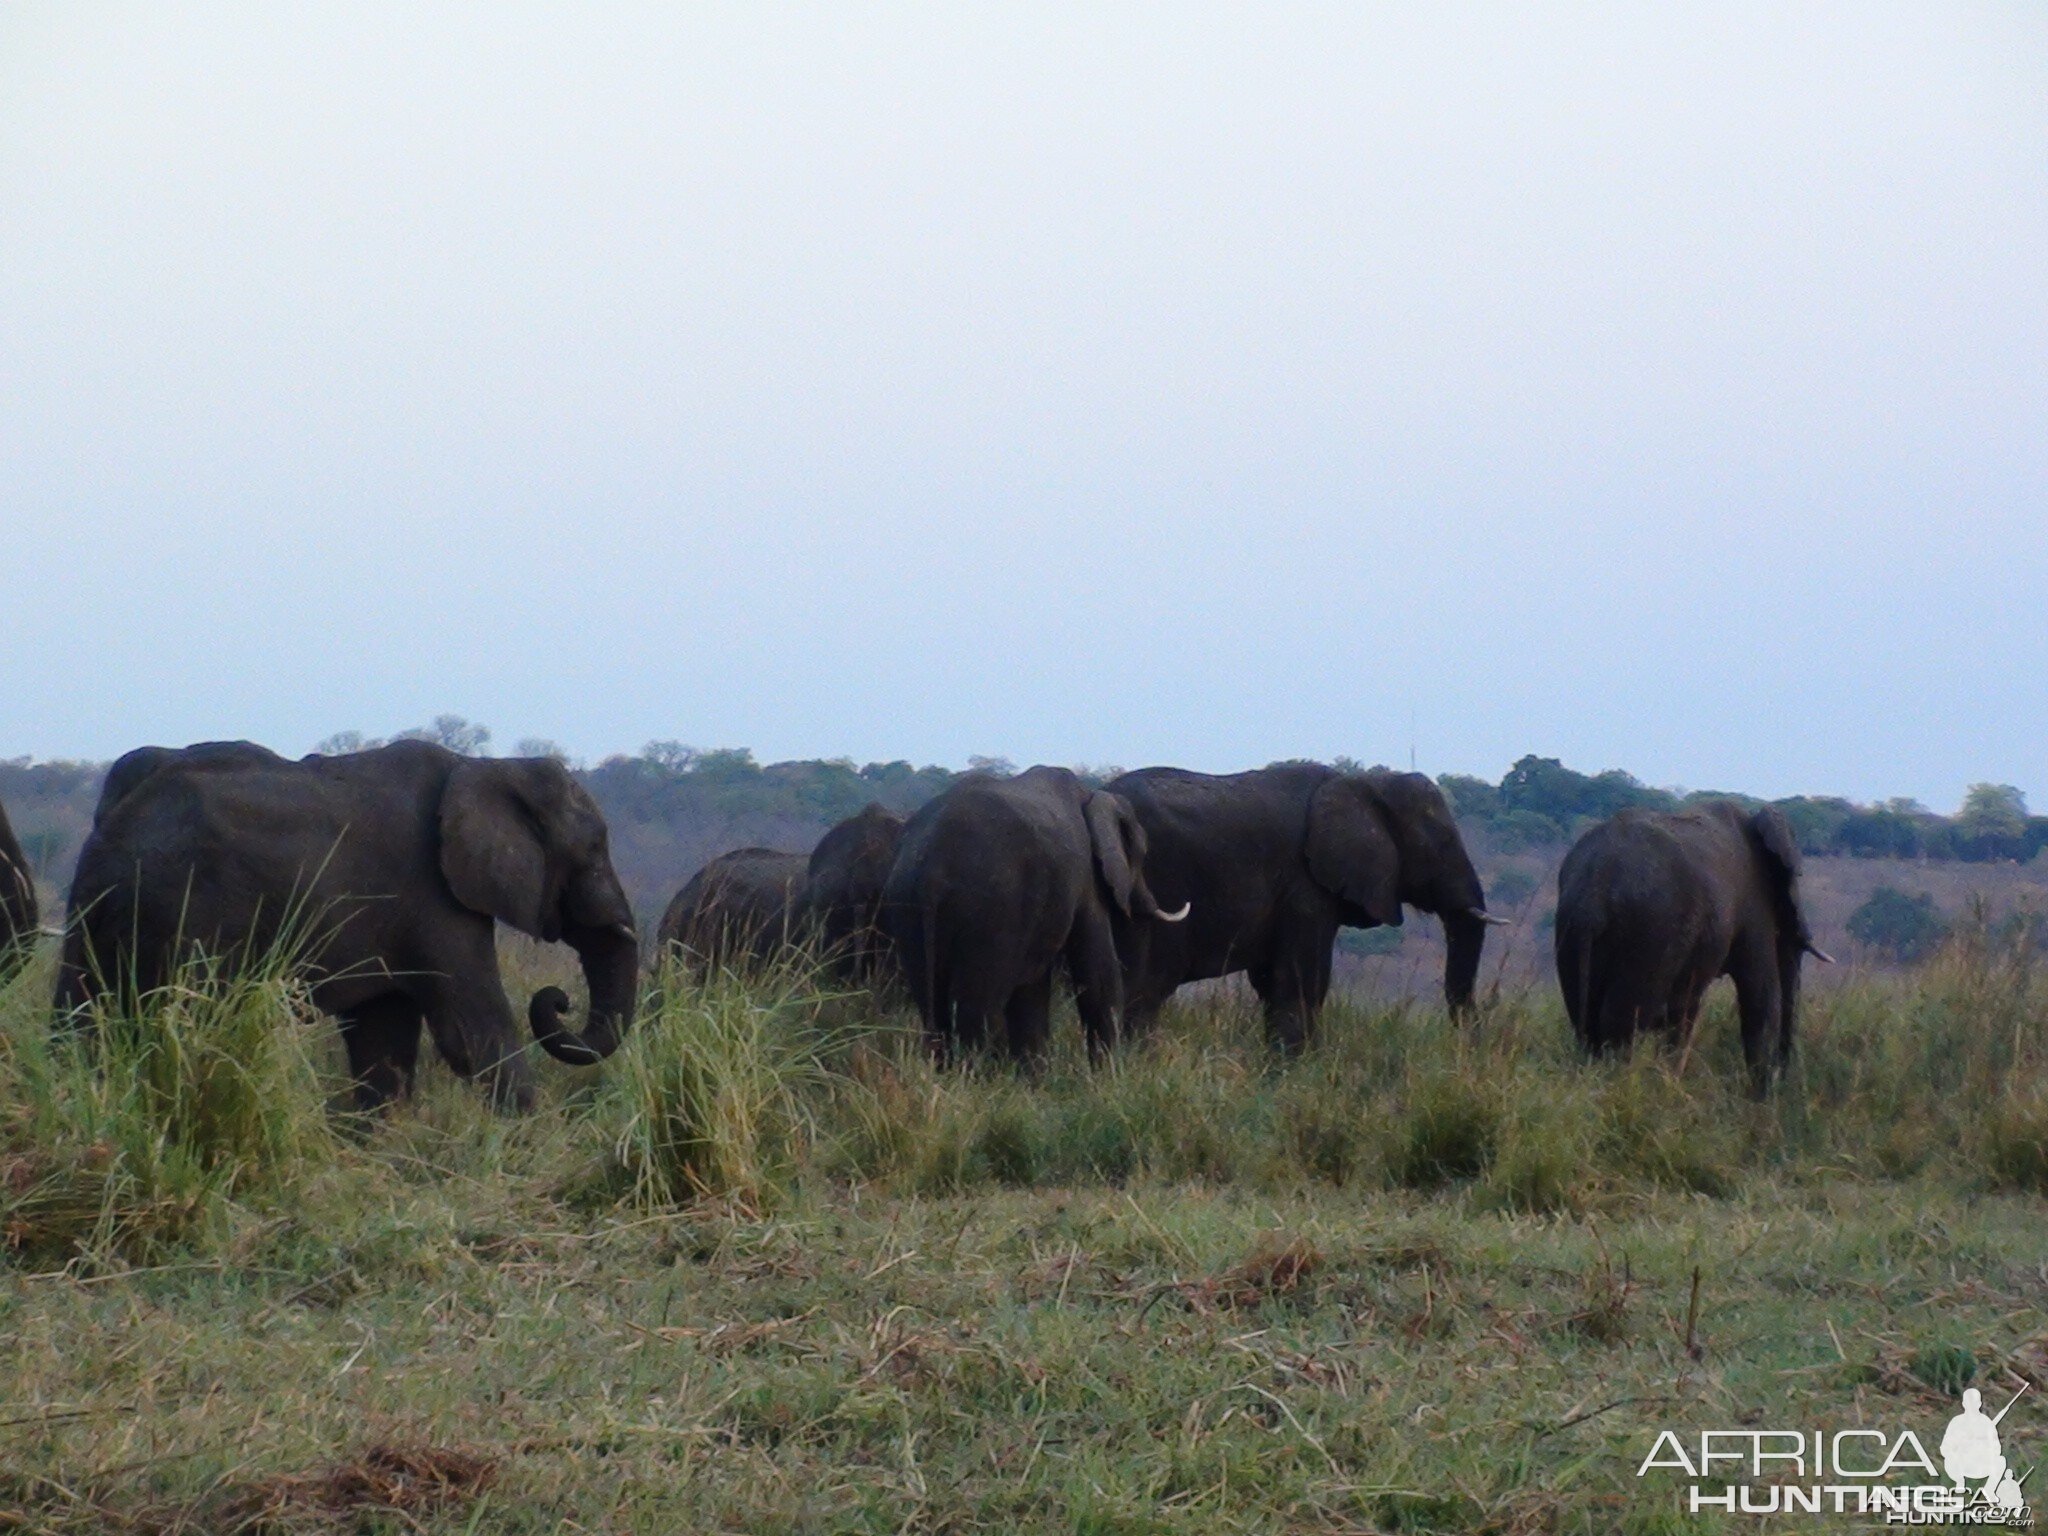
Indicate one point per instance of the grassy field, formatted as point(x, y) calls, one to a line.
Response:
point(768, 1270)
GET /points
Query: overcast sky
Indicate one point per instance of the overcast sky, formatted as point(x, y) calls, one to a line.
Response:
point(1657, 387)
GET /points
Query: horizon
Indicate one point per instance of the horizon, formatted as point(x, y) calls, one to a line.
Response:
point(493, 746)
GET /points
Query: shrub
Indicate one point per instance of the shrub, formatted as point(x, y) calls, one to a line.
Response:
point(141, 1132)
point(715, 1091)
point(1449, 1129)
point(1906, 928)
point(2013, 1143)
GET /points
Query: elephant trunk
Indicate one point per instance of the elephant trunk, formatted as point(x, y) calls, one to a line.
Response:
point(611, 968)
point(1464, 937)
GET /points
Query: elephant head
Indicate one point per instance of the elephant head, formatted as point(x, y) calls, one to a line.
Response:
point(523, 842)
point(1777, 848)
point(1380, 839)
point(1120, 845)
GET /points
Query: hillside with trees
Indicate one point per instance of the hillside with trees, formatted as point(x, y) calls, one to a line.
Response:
point(671, 807)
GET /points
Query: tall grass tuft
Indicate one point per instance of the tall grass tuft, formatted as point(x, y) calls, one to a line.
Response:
point(143, 1131)
point(716, 1092)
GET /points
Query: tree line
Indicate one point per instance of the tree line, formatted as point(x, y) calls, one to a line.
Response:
point(669, 793)
point(1541, 803)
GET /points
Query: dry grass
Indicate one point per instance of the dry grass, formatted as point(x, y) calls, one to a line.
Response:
point(1426, 1278)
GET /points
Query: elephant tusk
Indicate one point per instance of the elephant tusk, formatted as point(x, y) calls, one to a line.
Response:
point(1489, 919)
point(625, 931)
point(1177, 917)
point(1818, 953)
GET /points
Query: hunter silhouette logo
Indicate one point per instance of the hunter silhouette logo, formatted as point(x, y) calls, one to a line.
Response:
point(1970, 1452)
point(1854, 1471)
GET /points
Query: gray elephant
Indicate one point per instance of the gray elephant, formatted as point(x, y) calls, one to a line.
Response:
point(396, 865)
point(999, 880)
point(741, 909)
point(19, 913)
point(1275, 861)
point(749, 906)
point(843, 885)
point(1652, 906)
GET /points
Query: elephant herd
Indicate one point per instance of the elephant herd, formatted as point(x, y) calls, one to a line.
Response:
point(385, 873)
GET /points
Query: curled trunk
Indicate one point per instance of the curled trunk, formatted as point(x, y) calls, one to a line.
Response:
point(611, 969)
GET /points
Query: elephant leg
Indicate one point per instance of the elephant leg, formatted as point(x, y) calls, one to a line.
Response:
point(1028, 1014)
point(1571, 983)
point(1141, 1015)
point(979, 1003)
point(383, 1040)
point(1097, 975)
point(470, 1019)
point(76, 989)
point(1757, 999)
point(1293, 989)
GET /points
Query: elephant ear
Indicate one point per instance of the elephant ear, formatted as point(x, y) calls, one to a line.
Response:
point(1351, 852)
point(1106, 815)
point(1774, 832)
point(492, 849)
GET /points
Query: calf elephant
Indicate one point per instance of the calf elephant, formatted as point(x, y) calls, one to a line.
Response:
point(740, 909)
point(1275, 861)
point(19, 914)
point(393, 865)
point(843, 886)
point(996, 882)
point(1652, 906)
point(747, 906)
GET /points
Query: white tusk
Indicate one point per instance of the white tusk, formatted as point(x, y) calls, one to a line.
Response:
point(1489, 919)
point(1175, 917)
point(625, 931)
point(1818, 953)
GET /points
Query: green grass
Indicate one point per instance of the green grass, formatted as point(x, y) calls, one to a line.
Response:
point(770, 1270)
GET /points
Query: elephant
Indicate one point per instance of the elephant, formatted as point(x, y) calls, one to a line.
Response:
point(20, 916)
point(999, 878)
point(387, 870)
point(741, 909)
point(1275, 861)
point(1653, 905)
point(843, 884)
point(748, 905)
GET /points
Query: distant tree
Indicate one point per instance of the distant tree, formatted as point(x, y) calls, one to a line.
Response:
point(1880, 832)
point(540, 746)
point(1520, 831)
point(670, 755)
point(343, 742)
point(1001, 767)
point(1545, 787)
point(1993, 824)
point(454, 733)
point(1510, 888)
point(1999, 809)
point(725, 763)
point(43, 848)
point(1817, 820)
point(1383, 940)
point(1907, 928)
point(1472, 799)
point(2037, 835)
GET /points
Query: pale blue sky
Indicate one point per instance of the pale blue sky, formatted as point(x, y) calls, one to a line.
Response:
point(1651, 386)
